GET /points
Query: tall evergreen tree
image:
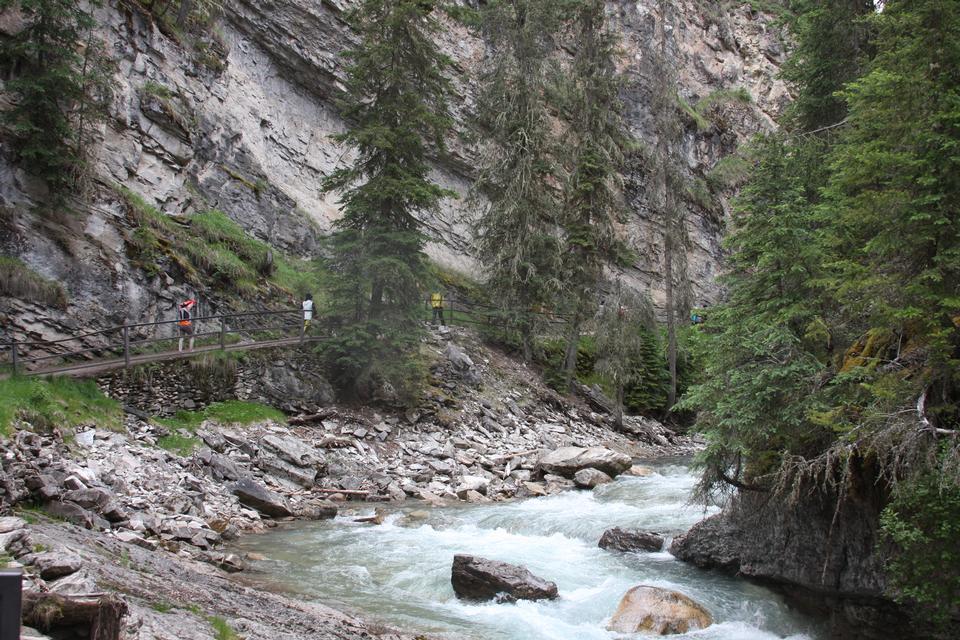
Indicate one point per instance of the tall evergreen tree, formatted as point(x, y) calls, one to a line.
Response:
point(519, 241)
point(62, 87)
point(396, 102)
point(593, 203)
point(669, 183)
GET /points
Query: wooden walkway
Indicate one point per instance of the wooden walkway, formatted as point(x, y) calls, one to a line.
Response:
point(232, 332)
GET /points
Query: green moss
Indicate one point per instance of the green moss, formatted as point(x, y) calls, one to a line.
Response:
point(702, 123)
point(729, 172)
point(62, 403)
point(17, 280)
point(221, 629)
point(157, 90)
point(161, 607)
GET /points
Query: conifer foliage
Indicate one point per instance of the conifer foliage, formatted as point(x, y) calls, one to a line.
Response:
point(396, 102)
point(593, 204)
point(61, 86)
point(519, 242)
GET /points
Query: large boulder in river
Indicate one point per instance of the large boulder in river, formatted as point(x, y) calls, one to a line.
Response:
point(658, 611)
point(256, 496)
point(590, 478)
point(481, 579)
point(566, 461)
point(619, 539)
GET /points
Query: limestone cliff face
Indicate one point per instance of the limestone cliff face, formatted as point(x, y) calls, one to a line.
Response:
point(247, 130)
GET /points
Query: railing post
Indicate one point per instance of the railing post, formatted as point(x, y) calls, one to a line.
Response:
point(126, 346)
point(11, 602)
point(223, 334)
point(13, 355)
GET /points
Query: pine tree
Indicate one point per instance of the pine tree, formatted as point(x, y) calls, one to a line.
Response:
point(592, 204)
point(518, 232)
point(669, 183)
point(396, 102)
point(622, 326)
point(61, 84)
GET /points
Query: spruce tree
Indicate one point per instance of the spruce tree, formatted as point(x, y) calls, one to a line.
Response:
point(61, 88)
point(592, 204)
point(520, 179)
point(622, 326)
point(396, 102)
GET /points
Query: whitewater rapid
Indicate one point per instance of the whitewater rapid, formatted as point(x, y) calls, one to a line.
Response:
point(399, 572)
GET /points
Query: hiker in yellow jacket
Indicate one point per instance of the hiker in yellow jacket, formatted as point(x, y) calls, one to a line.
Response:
point(436, 303)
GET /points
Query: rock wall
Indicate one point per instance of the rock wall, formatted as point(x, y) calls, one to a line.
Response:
point(824, 555)
point(243, 125)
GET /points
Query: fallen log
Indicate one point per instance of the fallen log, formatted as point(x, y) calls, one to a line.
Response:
point(346, 492)
point(312, 417)
point(100, 616)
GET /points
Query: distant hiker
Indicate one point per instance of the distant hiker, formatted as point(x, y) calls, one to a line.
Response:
point(185, 322)
point(696, 318)
point(436, 303)
point(307, 311)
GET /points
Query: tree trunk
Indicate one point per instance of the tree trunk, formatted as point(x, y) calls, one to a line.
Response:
point(99, 616)
point(572, 350)
point(618, 414)
point(668, 209)
point(376, 298)
point(185, 7)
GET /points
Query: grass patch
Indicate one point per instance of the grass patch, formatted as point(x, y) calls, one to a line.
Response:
point(221, 629)
point(228, 412)
point(162, 607)
point(729, 172)
point(210, 248)
point(56, 403)
point(17, 280)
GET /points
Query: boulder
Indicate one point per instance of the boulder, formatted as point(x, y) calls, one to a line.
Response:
point(639, 471)
point(76, 514)
point(590, 478)
point(618, 539)
point(301, 476)
point(291, 450)
point(658, 611)
point(481, 579)
point(291, 390)
point(318, 511)
point(476, 484)
point(256, 496)
point(566, 461)
point(53, 564)
point(94, 499)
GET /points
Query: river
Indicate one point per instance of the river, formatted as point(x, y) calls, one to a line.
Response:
point(399, 572)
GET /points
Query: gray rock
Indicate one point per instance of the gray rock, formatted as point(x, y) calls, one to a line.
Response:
point(258, 497)
point(566, 461)
point(318, 511)
point(590, 478)
point(476, 578)
point(291, 390)
point(53, 564)
point(94, 499)
point(81, 582)
point(460, 360)
point(302, 476)
point(618, 539)
point(224, 468)
point(292, 450)
point(76, 514)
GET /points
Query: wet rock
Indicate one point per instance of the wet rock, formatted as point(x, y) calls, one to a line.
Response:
point(229, 562)
point(639, 471)
point(658, 611)
point(318, 511)
point(258, 497)
point(618, 539)
point(590, 478)
point(476, 578)
point(566, 461)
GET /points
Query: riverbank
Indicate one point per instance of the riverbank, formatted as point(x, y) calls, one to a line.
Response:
point(149, 523)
